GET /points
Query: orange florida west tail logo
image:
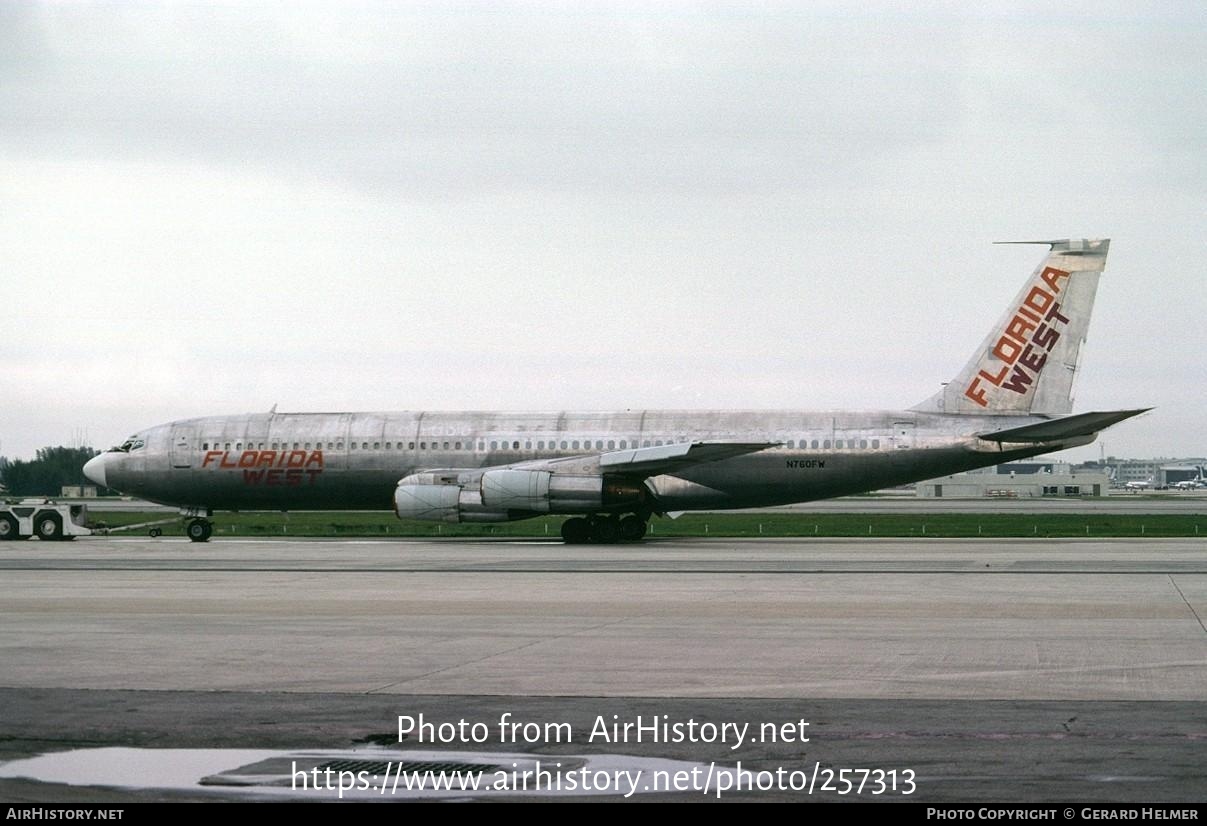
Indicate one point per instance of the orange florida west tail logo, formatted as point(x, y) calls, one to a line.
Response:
point(1029, 336)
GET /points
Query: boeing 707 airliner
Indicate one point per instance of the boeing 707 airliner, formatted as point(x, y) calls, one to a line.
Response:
point(610, 472)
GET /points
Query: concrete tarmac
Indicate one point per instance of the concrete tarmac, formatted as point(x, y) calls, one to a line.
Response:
point(994, 670)
point(1122, 502)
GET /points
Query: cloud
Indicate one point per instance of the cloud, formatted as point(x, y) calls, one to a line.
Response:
point(211, 207)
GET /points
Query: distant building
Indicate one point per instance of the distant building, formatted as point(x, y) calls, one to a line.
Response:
point(1133, 470)
point(1157, 473)
point(78, 492)
point(1018, 480)
point(1170, 475)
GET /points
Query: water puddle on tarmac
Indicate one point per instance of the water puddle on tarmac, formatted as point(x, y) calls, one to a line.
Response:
point(371, 773)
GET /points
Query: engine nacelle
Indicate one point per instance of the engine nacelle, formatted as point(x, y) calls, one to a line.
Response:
point(505, 494)
point(433, 503)
point(541, 491)
point(519, 489)
point(441, 497)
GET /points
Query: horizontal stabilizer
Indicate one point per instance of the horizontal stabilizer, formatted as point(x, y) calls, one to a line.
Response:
point(1054, 430)
point(653, 461)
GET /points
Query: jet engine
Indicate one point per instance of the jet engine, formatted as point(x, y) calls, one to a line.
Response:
point(504, 494)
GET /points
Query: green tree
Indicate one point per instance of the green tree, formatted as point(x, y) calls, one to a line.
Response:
point(51, 469)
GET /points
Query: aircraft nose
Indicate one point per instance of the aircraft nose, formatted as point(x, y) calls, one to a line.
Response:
point(94, 469)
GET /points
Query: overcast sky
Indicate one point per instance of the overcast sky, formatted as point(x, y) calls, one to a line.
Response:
point(212, 209)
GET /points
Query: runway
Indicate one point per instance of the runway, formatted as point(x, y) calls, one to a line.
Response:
point(1117, 502)
point(980, 662)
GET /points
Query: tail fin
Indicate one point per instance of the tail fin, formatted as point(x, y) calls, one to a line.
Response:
point(1027, 364)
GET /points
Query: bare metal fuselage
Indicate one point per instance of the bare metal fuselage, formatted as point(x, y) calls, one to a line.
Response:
point(355, 460)
point(1011, 400)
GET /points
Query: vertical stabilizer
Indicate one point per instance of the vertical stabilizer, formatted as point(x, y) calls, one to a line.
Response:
point(1027, 363)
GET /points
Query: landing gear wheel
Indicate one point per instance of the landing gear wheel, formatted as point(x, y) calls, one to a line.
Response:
point(48, 528)
point(605, 531)
point(199, 530)
point(155, 533)
point(8, 529)
point(632, 528)
point(576, 531)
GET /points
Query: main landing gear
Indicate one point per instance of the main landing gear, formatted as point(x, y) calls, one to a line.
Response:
point(604, 529)
point(199, 530)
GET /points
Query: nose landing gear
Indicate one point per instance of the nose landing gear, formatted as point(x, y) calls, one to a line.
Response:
point(199, 530)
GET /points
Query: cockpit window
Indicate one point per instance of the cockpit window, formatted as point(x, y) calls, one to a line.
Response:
point(133, 443)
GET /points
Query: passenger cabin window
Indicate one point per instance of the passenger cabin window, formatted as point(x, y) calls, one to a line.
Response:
point(339, 445)
point(494, 445)
point(575, 444)
point(623, 444)
point(515, 445)
point(611, 445)
point(791, 444)
point(410, 445)
point(875, 444)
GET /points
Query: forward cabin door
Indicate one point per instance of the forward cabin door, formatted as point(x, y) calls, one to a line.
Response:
point(183, 446)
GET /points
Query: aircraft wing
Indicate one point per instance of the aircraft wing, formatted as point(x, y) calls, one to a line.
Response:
point(653, 461)
point(1067, 427)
